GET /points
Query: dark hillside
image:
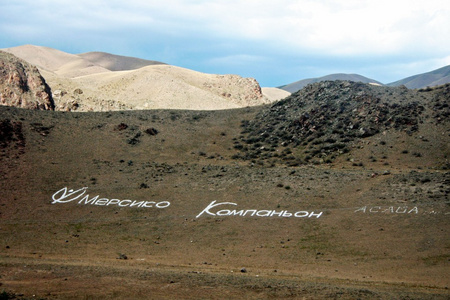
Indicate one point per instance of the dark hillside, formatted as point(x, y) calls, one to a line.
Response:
point(298, 85)
point(152, 204)
point(328, 120)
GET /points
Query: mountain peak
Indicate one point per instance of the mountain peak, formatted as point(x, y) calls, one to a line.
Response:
point(298, 85)
point(433, 78)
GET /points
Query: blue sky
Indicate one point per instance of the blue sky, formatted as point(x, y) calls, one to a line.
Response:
point(276, 42)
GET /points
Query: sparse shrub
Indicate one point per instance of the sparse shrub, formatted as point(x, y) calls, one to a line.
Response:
point(151, 131)
point(6, 295)
point(135, 140)
point(174, 116)
point(328, 160)
point(425, 180)
point(121, 126)
point(198, 117)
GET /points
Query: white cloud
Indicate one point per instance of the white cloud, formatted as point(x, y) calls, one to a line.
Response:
point(217, 32)
point(236, 59)
point(346, 27)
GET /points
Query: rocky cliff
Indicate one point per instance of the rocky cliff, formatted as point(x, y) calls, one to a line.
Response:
point(21, 84)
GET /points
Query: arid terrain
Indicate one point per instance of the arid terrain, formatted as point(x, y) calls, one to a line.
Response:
point(340, 191)
point(97, 81)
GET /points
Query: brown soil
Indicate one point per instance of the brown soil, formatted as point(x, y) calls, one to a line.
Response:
point(382, 233)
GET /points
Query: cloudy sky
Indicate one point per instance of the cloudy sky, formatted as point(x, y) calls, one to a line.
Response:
point(276, 42)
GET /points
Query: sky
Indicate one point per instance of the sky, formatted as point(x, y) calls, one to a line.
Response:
point(275, 42)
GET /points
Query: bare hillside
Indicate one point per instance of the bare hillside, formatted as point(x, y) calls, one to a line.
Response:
point(117, 62)
point(101, 81)
point(433, 78)
point(324, 121)
point(176, 204)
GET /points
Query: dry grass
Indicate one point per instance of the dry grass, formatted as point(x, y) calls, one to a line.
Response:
point(71, 251)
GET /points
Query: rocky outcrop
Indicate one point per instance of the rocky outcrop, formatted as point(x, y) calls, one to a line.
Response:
point(319, 122)
point(21, 85)
point(240, 90)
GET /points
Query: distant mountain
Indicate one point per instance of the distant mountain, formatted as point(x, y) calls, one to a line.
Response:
point(74, 65)
point(114, 62)
point(55, 61)
point(298, 85)
point(433, 78)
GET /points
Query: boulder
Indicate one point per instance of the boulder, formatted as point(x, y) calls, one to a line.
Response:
point(21, 85)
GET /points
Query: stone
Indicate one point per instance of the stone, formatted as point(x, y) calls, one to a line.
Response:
point(21, 85)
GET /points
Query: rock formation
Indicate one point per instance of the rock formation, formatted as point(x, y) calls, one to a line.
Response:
point(321, 121)
point(21, 84)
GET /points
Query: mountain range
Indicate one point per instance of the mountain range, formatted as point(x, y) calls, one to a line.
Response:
point(429, 79)
point(96, 81)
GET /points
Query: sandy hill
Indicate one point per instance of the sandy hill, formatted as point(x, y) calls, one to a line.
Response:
point(298, 85)
point(429, 79)
point(98, 81)
point(117, 62)
point(275, 93)
point(154, 87)
point(58, 62)
point(174, 204)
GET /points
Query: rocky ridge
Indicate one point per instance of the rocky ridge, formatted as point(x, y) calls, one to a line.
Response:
point(21, 84)
point(323, 120)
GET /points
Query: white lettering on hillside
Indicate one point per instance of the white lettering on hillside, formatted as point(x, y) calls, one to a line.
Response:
point(66, 195)
point(388, 209)
point(210, 210)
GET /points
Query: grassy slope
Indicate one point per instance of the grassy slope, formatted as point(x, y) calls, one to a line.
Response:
point(173, 254)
